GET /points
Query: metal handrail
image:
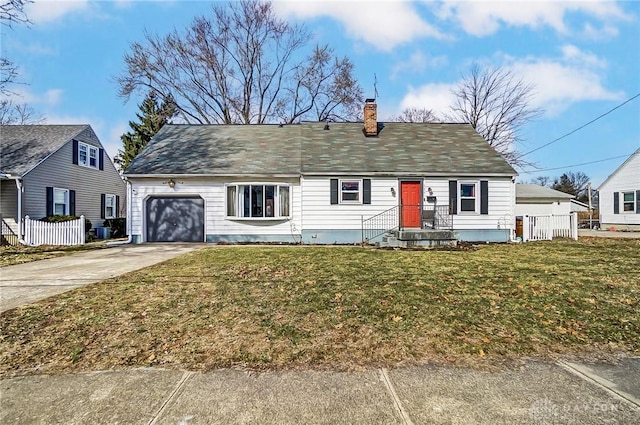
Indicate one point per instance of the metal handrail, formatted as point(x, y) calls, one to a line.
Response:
point(7, 235)
point(380, 224)
point(390, 220)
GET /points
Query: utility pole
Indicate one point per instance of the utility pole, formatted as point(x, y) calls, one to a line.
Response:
point(590, 208)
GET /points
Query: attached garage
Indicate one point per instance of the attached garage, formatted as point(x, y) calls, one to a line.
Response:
point(173, 219)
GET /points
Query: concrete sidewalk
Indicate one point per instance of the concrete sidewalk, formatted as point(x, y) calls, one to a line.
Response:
point(537, 393)
point(26, 283)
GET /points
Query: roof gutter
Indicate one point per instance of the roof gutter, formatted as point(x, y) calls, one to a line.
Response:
point(319, 174)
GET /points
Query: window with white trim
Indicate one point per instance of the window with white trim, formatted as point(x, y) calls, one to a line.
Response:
point(87, 155)
point(468, 197)
point(628, 201)
point(109, 206)
point(60, 201)
point(350, 191)
point(259, 201)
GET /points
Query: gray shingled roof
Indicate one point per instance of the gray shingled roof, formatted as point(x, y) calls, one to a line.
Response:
point(22, 147)
point(534, 191)
point(399, 149)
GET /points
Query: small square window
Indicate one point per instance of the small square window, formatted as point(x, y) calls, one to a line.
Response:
point(350, 191)
point(88, 155)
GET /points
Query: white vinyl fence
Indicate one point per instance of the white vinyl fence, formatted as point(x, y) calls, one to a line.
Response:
point(547, 227)
point(38, 232)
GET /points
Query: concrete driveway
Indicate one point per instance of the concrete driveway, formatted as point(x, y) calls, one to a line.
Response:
point(26, 283)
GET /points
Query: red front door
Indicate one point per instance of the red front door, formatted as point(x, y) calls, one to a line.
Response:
point(411, 198)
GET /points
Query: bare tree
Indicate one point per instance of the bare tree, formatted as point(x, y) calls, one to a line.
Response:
point(323, 86)
point(8, 74)
point(418, 115)
point(239, 66)
point(542, 181)
point(18, 113)
point(572, 183)
point(13, 11)
point(497, 104)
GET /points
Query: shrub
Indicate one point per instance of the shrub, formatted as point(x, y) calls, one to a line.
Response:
point(118, 226)
point(60, 218)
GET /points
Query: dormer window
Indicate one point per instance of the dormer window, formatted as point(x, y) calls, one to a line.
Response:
point(87, 155)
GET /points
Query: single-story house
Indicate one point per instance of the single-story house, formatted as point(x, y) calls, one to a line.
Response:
point(316, 182)
point(533, 199)
point(57, 170)
point(620, 196)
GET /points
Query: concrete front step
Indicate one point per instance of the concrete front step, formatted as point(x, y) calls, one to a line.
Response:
point(409, 238)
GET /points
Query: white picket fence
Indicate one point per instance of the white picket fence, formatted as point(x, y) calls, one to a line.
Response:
point(38, 232)
point(547, 227)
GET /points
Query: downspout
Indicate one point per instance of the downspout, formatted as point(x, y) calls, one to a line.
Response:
point(129, 209)
point(20, 187)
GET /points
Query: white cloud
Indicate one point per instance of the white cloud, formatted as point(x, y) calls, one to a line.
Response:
point(417, 63)
point(382, 24)
point(114, 143)
point(481, 18)
point(435, 96)
point(558, 85)
point(575, 76)
point(50, 97)
point(43, 11)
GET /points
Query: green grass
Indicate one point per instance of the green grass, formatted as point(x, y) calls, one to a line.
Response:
point(19, 254)
point(339, 307)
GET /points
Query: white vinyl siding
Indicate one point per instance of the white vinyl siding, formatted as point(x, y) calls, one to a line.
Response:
point(320, 214)
point(214, 191)
point(501, 202)
point(625, 179)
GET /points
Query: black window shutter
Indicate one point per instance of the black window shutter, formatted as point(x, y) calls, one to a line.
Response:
point(101, 159)
point(616, 206)
point(75, 152)
point(366, 191)
point(484, 197)
point(102, 205)
point(453, 196)
point(49, 201)
point(72, 202)
point(116, 213)
point(334, 191)
point(637, 201)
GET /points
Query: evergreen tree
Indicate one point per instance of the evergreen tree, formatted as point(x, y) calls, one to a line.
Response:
point(152, 117)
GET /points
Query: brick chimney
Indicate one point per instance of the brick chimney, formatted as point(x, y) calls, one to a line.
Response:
point(370, 118)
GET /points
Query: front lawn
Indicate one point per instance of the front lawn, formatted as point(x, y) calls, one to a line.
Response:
point(339, 307)
point(19, 254)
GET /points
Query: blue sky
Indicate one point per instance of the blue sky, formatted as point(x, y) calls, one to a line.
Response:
point(582, 56)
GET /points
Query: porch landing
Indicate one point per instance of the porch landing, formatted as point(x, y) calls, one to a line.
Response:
point(408, 238)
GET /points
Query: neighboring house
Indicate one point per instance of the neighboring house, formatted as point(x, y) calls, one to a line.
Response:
point(577, 206)
point(316, 182)
point(57, 170)
point(533, 199)
point(620, 196)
